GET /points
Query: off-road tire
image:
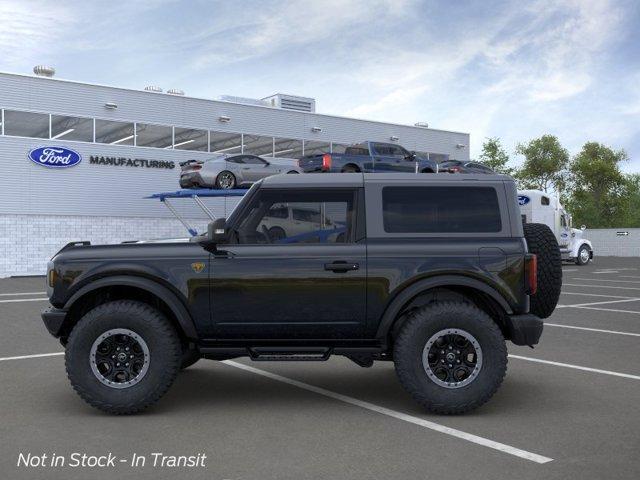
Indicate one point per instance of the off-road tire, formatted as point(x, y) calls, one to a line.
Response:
point(579, 257)
point(164, 356)
point(421, 325)
point(542, 242)
point(189, 357)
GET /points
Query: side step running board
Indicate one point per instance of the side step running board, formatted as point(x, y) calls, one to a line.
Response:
point(290, 354)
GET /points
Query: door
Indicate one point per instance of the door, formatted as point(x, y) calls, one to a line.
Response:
point(256, 168)
point(392, 158)
point(280, 279)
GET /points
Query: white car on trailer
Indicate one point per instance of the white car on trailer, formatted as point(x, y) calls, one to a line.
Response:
point(539, 207)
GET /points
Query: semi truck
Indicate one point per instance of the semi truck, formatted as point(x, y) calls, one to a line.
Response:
point(537, 206)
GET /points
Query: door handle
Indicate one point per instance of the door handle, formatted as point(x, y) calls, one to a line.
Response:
point(341, 266)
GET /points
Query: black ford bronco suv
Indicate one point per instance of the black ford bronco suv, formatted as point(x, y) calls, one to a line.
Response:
point(431, 272)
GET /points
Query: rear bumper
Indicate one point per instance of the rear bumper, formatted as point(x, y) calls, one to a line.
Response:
point(189, 180)
point(524, 329)
point(53, 319)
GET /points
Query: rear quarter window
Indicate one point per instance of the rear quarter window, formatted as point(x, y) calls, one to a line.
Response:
point(441, 210)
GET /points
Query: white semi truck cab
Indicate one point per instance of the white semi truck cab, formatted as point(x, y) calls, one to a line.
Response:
point(539, 207)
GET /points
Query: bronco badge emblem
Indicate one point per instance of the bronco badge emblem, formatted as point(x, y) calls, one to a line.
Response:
point(197, 267)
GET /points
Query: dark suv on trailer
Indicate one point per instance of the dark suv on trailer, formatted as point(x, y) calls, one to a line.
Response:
point(430, 272)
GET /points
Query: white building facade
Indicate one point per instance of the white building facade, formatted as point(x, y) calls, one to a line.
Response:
point(129, 144)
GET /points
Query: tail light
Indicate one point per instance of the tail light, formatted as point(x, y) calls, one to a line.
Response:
point(326, 162)
point(531, 272)
point(454, 170)
point(197, 166)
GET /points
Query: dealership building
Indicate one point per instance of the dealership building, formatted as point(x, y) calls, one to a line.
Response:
point(127, 144)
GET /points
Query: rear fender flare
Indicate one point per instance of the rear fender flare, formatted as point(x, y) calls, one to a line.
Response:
point(404, 297)
point(163, 293)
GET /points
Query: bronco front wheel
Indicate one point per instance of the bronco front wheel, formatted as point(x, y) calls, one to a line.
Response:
point(122, 356)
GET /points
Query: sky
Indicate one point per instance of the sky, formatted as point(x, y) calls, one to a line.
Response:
point(509, 69)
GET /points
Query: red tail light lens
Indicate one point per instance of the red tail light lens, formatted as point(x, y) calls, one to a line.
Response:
point(454, 170)
point(326, 162)
point(531, 269)
point(196, 167)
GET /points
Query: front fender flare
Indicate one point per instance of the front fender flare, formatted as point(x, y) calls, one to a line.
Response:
point(163, 293)
point(402, 298)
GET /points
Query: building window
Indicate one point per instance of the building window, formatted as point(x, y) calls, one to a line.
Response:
point(26, 124)
point(71, 128)
point(338, 147)
point(440, 210)
point(312, 147)
point(258, 145)
point(114, 133)
point(287, 148)
point(223, 142)
point(190, 139)
point(149, 135)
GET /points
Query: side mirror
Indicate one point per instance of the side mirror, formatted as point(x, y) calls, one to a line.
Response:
point(583, 227)
point(217, 231)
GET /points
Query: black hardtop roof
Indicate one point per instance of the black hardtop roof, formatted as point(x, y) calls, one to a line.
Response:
point(327, 180)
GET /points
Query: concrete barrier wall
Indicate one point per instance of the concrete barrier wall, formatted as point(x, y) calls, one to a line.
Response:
point(615, 242)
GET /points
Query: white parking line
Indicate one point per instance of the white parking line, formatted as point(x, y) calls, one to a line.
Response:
point(38, 355)
point(569, 269)
point(593, 295)
point(600, 286)
point(610, 310)
point(577, 367)
point(485, 442)
point(607, 271)
point(22, 293)
point(24, 300)
point(599, 330)
point(598, 303)
point(603, 280)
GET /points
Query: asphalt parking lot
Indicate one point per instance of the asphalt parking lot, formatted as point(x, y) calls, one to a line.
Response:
point(570, 408)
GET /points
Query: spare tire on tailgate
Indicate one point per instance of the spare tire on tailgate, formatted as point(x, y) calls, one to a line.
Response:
point(542, 242)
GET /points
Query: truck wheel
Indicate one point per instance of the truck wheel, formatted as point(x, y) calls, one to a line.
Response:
point(584, 255)
point(450, 356)
point(189, 357)
point(349, 169)
point(542, 242)
point(122, 356)
point(225, 180)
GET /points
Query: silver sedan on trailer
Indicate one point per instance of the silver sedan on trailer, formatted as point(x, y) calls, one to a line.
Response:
point(231, 171)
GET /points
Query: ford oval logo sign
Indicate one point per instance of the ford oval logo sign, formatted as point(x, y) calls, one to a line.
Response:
point(523, 200)
point(55, 157)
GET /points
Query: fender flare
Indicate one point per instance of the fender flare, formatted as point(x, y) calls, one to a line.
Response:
point(395, 306)
point(163, 293)
point(576, 247)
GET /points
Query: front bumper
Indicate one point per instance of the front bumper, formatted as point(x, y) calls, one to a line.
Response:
point(53, 319)
point(524, 329)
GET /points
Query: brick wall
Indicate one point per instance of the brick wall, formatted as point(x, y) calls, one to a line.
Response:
point(612, 242)
point(27, 242)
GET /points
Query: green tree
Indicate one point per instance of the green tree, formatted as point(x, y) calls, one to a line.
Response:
point(545, 164)
point(494, 156)
point(599, 191)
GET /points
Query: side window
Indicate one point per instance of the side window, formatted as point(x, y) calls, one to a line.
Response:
point(544, 200)
point(320, 216)
point(381, 149)
point(563, 220)
point(235, 159)
point(441, 210)
point(252, 160)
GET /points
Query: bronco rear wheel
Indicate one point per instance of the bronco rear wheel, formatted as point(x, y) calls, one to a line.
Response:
point(450, 356)
point(542, 242)
point(122, 356)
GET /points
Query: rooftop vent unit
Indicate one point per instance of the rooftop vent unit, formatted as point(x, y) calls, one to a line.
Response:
point(422, 124)
point(244, 100)
point(44, 71)
point(175, 91)
point(153, 88)
point(291, 102)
